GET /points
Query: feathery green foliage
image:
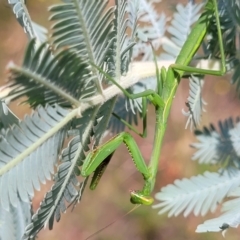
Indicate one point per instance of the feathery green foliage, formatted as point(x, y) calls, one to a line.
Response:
point(71, 103)
point(57, 77)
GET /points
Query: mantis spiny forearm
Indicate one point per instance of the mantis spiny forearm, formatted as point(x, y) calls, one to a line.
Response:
point(162, 100)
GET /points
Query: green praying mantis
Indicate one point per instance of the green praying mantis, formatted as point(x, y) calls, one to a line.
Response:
point(167, 82)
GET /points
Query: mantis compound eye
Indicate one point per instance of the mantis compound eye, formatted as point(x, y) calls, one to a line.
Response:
point(138, 198)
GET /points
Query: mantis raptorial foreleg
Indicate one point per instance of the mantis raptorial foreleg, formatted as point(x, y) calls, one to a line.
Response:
point(104, 163)
point(100, 154)
point(162, 100)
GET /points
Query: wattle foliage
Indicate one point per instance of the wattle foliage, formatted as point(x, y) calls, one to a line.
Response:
point(61, 85)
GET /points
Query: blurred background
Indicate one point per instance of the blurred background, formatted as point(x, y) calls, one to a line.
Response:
point(110, 201)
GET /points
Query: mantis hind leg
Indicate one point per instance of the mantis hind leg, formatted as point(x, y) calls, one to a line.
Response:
point(213, 7)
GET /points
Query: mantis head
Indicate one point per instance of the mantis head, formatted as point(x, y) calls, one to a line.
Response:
point(137, 197)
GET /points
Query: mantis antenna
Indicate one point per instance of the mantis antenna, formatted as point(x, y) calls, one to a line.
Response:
point(110, 224)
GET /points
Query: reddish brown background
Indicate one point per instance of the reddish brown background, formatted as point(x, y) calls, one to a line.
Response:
point(110, 200)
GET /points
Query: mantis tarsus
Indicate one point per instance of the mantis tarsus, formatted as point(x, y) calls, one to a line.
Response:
point(167, 82)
